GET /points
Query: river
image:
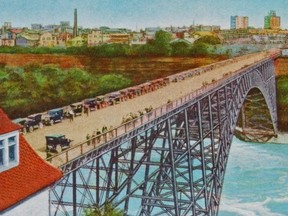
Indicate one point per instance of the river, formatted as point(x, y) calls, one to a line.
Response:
point(256, 180)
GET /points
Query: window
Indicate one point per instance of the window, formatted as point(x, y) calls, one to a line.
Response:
point(1, 157)
point(9, 150)
point(12, 148)
point(12, 153)
point(1, 152)
point(12, 140)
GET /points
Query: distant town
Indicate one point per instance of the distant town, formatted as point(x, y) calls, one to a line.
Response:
point(65, 35)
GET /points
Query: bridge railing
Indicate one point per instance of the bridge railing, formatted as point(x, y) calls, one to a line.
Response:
point(97, 141)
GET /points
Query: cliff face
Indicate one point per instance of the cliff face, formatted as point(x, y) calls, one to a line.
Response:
point(281, 70)
point(20, 60)
point(281, 66)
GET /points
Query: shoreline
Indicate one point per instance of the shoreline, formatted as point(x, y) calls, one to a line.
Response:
point(282, 138)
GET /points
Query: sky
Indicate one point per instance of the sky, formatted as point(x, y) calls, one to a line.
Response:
point(137, 14)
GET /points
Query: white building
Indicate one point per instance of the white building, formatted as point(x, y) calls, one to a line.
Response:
point(95, 38)
point(24, 176)
point(239, 22)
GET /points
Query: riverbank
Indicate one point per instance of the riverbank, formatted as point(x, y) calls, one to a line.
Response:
point(281, 72)
point(282, 138)
point(140, 70)
point(57, 81)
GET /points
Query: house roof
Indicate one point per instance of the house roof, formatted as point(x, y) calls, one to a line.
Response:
point(16, 31)
point(28, 36)
point(30, 176)
point(6, 125)
point(177, 40)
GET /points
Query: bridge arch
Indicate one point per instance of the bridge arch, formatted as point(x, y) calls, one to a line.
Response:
point(255, 119)
point(174, 164)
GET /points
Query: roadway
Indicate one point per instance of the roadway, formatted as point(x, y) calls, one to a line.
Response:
point(113, 115)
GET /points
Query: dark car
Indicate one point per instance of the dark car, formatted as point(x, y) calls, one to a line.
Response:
point(33, 121)
point(21, 122)
point(77, 108)
point(91, 103)
point(54, 140)
point(54, 115)
point(114, 98)
point(101, 101)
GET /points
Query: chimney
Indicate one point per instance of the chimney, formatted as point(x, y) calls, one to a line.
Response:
point(75, 28)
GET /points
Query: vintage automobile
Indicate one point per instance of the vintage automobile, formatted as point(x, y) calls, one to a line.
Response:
point(101, 101)
point(114, 98)
point(77, 108)
point(21, 122)
point(54, 115)
point(33, 121)
point(55, 140)
point(91, 103)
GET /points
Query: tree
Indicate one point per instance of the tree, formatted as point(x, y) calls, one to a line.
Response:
point(107, 210)
point(112, 82)
point(199, 49)
point(212, 40)
point(180, 48)
point(162, 43)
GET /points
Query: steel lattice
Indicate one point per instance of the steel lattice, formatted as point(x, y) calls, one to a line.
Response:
point(175, 164)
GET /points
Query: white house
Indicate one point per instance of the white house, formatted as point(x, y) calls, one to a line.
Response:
point(24, 176)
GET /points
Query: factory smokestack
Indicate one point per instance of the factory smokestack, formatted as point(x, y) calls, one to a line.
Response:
point(75, 28)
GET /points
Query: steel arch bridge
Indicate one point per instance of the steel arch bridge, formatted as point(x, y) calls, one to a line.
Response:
point(175, 163)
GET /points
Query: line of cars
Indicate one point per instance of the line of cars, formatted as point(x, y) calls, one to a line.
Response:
point(52, 116)
point(53, 141)
point(39, 120)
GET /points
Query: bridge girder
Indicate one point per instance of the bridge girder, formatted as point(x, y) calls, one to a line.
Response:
point(173, 165)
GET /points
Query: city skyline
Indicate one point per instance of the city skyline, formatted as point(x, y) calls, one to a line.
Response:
point(136, 14)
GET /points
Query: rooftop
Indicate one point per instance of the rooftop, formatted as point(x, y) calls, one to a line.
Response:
point(31, 175)
point(6, 125)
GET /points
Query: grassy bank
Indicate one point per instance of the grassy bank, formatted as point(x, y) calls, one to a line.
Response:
point(34, 88)
point(282, 102)
point(281, 71)
point(31, 84)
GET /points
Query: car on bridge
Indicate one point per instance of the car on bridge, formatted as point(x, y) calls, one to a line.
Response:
point(55, 140)
point(33, 121)
point(101, 101)
point(77, 108)
point(54, 115)
point(90, 103)
point(30, 123)
point(21, 122)
point(114, 98)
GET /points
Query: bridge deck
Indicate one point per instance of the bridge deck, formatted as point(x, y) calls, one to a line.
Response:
point(113, 115)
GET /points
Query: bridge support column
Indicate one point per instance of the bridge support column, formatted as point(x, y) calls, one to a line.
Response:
point(74, 193)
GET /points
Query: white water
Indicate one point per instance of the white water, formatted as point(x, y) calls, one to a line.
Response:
point(256, 180)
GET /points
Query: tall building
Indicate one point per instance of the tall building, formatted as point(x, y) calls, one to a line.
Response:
point(75, 28)
point(271, 21)
point(64, 25)
point(36, 26)
point(239, 22)
point(7, 25)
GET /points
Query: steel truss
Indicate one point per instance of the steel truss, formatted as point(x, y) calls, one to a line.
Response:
point(175, 164)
